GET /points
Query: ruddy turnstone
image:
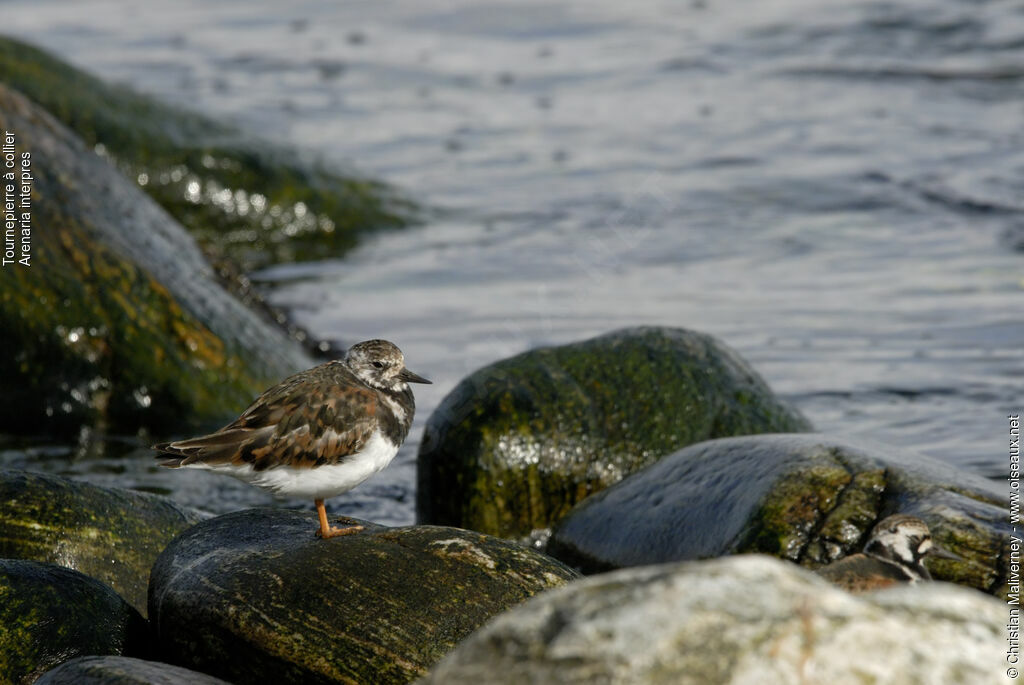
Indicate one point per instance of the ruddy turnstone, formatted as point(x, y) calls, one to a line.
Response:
point(318, 433)
point(893, 554)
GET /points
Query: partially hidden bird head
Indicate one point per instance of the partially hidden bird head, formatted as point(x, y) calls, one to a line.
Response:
point(904, 539)
point(380, 364)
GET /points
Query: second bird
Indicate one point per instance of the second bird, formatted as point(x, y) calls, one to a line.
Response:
point(894, 554)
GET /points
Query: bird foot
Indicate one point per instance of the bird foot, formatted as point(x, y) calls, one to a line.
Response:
point(333, 532)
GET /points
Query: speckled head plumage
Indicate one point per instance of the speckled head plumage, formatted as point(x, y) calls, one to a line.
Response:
point(380, 364)
point(901, 538)
point(894, 553)
point(316, 434)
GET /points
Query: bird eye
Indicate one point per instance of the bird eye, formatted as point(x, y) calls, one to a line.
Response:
point(378, 365)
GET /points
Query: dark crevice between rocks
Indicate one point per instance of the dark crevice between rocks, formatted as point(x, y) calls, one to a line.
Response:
point(861, 514)
point(887, 504)
point(814, 534)
point(231, 277)
point(786, 518)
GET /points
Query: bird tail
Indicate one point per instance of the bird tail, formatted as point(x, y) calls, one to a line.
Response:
point(168, 448)
point(219, 447)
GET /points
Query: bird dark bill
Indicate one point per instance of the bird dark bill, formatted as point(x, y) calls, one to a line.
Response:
point(937, 552)
point(410, 377)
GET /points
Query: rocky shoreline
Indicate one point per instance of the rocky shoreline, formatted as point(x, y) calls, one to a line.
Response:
point(656, 460)
point(713, 544)
point(136, 312)
point(254, 596)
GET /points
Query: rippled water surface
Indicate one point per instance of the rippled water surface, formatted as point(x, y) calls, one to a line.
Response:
point(836, 189)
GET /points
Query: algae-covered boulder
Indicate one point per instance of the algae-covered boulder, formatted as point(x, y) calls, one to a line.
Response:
point(740, 620)
point(807, 498)
point(49, 614)
point(118, 321)
point(515, 445)
point(112, 535)
point(255, 597)
point(247, 199)
point(123, 670)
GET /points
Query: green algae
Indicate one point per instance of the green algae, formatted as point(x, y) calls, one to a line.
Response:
point(93, 336)
point(98, 342)
point(786, 519)
point(111, 535)
point(249, 203)
point(254, 596)
point(49, 614)
point(516, 444)
point(811, 499)
point(857, 510)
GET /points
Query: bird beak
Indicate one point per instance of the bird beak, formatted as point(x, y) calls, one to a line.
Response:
point(937, 552)
point(410, 377)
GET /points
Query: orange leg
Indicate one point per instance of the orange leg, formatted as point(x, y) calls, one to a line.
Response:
point(326, 531)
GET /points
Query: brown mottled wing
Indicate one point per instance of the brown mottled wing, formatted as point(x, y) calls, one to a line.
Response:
point(861, 573)
point(317, 417)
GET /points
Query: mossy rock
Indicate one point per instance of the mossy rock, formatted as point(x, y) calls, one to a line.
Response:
point(249, 200)
point(119, 322)
point(111, 535)
point(123, 670)
point(734, 621)
point(49, 614)
point(807, 498)
point(255, 597)
point(516, 444)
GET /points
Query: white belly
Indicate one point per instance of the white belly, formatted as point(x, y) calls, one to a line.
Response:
point(319, 482)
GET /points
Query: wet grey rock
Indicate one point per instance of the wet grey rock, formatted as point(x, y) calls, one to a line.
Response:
point(121, 670)
point(112, 535)
point(255, 597)
point(49, 614)
point(119, 322)
point(739, 620)
point(516, 444)
point(808, 498)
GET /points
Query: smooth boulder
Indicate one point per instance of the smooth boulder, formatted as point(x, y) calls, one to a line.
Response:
point(808, 498)
point(112, 535)
point(740, 620)
point(516, 444)
point(255, 597)
point(117, 322)
point(122, 670)
point(49, 614)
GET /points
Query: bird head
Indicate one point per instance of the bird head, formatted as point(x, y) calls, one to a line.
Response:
point(904, 539)
point(380, 364)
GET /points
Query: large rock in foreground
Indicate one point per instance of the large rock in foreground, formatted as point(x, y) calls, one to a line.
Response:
point(808, 498)
point(118, 322)
point(121, 670)
point(515, 445)
point(111, 535)
point(739, 620)
point(49, 614)
point(255, 597)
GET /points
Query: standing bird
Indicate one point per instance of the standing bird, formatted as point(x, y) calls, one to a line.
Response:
point(316, 434)
point(893, 554)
